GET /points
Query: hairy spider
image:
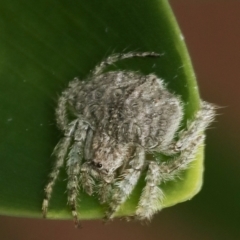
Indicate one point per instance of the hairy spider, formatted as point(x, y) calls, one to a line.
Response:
point(119, 116)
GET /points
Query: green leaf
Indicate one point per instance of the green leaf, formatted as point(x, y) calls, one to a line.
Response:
point(43, 45)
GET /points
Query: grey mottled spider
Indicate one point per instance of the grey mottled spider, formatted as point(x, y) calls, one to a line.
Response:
point(119, 116)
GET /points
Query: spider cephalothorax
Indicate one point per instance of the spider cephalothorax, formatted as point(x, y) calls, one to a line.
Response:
point(119, 117)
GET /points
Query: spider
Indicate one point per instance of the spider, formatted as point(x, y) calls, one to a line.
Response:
point(110, 122)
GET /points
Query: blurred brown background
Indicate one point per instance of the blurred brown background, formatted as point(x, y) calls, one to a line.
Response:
point(212, 32)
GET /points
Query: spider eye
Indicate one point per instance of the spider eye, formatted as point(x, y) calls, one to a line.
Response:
point(98, 165)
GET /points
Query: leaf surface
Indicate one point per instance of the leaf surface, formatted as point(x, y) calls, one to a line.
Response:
point(45, 44)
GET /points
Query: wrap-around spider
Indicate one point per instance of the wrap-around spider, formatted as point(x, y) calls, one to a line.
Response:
point(117, 118)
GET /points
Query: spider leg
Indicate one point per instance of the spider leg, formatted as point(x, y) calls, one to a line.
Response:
point(128, 181)
point(61, 110)
point(74, 160)
point(152, 196)
point(87, 176)
point(87, 173)
point(170, 170)
point(195, 128)
point(120, 56)
point(105, 188)
point(60, 152)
